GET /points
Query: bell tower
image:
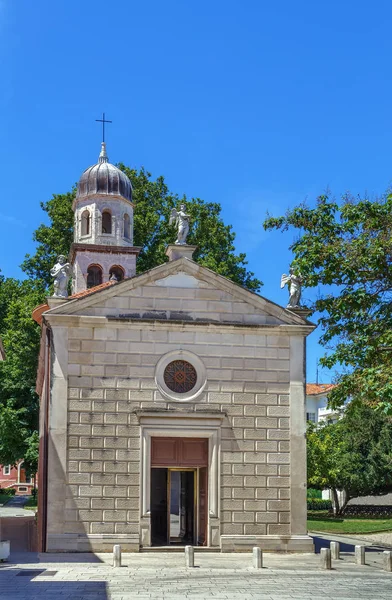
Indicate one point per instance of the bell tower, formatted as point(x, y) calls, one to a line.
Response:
point(103, 229)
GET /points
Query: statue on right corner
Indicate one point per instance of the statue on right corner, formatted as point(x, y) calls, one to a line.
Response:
point(294, 283)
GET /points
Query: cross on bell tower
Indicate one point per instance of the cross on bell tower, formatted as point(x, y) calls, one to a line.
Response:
point(103, 121)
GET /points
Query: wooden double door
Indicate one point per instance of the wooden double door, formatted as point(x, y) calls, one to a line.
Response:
point(179, 490)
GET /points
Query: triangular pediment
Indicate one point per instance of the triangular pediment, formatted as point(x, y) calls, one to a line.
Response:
point(180, 290)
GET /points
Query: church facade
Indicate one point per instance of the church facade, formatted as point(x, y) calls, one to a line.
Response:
point(172, 402)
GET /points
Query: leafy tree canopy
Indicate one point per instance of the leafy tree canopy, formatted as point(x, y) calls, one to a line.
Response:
point(346, 249)
point(20, 336)
point(353, 455)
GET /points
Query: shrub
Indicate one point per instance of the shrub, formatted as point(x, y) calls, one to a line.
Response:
point(319, 504)
point(312, 493)
point(368, 511)
point(8, 491)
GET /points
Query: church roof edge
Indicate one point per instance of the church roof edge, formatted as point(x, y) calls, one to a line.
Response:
point(192, 268)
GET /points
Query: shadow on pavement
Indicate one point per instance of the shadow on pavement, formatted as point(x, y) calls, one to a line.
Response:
point(13, 582)
point(320, 542)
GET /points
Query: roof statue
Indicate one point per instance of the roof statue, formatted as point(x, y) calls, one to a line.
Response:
point(181, 220)
point(61, 272)
point(294, 283)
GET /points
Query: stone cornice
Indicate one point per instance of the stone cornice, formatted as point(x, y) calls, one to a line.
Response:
point(98, 321)
point(149, 416)
point(98, 197)
point(79, 247)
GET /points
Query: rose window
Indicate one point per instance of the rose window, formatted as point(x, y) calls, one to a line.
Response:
point(180, 376)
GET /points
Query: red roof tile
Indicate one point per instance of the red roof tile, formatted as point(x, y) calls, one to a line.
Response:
point(313, 389)
point(39, 310)
point(92, 290)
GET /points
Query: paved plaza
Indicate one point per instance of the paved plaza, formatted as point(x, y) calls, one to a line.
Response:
point(217, 576)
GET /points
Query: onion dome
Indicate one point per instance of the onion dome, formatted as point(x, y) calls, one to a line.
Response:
point(104, 178)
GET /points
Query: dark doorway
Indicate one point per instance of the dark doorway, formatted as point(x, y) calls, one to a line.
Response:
point(173, 507)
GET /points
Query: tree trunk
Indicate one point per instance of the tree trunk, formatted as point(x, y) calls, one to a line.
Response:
point(335, 502)
point(344, 503)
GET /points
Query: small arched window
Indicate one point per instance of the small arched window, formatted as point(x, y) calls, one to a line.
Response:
point(116, 272)
point(85, 222)
point(94, 276)
point(106, 222)
point(127, 226)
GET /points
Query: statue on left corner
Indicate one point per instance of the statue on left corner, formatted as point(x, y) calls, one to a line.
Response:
point(61, 272)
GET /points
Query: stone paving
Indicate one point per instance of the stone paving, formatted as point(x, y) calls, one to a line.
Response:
point(216, 576)
point(14, 507)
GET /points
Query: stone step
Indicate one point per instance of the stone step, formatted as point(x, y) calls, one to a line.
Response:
point(178, 549)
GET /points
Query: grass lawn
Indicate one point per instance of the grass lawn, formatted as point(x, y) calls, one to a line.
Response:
point(323, 522)
point(31, 503)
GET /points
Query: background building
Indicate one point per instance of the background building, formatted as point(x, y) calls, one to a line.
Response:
point(317, 401)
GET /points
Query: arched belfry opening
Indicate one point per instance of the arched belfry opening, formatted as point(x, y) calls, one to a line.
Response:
point(127, 226)
point(94, 276)
point(116, 272)
point(106, 222)
point(86, 223)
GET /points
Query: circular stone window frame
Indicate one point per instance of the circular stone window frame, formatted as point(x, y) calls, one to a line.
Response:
point(196, 363)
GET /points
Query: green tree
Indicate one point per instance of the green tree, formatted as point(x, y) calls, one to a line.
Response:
point(153, 203)
point(20, 336)
point(353, 456)
point(346, 249)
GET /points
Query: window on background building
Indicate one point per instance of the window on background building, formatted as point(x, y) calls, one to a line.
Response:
point(116, 272)
point(94, 276)
point(6, 469)
point(85, 222)
point(311, 416)
point(106, 222)
point(127, 226)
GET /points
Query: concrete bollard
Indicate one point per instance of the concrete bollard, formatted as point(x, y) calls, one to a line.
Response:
point(360, 555)
point(325, 558)
point(387, 558)
point(335, 550)
point(189, 556)
point(117, 555)
point(257, 558)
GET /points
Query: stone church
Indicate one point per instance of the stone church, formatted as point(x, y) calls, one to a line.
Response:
point(172, 402)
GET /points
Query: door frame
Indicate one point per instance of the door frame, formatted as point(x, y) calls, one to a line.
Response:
point(192, 425)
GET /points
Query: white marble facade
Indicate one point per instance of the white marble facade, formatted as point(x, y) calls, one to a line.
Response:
point(106, 406)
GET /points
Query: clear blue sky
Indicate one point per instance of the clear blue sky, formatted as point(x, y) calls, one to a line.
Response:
point(257, 105)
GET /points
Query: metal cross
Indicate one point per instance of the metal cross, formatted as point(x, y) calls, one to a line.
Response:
point(103, 121)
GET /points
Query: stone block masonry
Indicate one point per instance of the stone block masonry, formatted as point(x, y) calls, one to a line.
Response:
point(109, 369)
point(105, 431)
